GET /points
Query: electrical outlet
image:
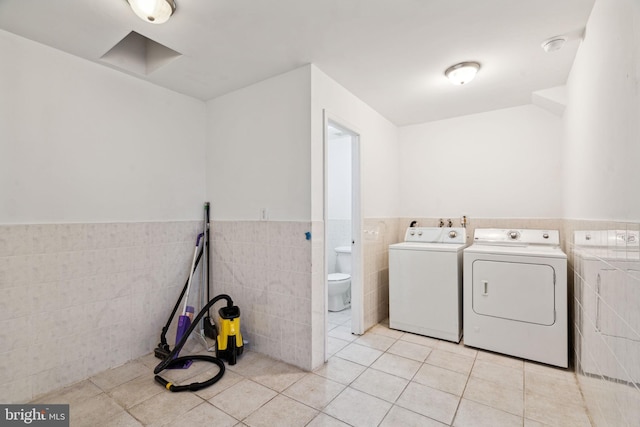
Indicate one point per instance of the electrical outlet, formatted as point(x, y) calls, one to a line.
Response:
point(264, 214)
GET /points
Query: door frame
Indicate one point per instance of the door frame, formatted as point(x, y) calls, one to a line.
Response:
point(357, 255)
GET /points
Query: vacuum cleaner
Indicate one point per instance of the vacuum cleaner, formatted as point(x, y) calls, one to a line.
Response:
point(230, 339)
point(173, 360)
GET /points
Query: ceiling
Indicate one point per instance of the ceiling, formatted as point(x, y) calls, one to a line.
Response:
point(389, 53)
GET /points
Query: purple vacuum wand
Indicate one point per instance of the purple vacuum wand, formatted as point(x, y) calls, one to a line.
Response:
point(184, 320)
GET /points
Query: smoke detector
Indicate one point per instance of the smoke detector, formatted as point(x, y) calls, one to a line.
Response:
point(554, 43)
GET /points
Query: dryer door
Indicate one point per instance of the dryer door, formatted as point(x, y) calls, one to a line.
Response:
point(523, 292)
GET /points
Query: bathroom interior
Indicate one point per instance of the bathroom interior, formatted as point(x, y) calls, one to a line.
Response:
point(339, 228)
point(104, 173)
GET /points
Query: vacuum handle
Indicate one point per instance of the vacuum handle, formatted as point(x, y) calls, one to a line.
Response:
point(163, 335)
point(193, 263)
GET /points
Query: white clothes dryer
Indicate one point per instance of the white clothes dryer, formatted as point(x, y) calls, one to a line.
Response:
point(425, 282)
point(515, 294)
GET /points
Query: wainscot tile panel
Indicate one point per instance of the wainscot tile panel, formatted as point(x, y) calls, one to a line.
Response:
point(266, 267)
point(378, 234)
point(77, 299)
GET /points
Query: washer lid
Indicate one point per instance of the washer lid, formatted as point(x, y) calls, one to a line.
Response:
point(335, 277)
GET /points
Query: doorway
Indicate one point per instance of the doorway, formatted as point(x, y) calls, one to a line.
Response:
point(343, 248)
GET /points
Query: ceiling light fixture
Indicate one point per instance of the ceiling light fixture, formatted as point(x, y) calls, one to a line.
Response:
point(462, 73)
point(153, 11)
point(554, 43)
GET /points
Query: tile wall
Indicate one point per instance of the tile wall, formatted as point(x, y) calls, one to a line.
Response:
point(266, 267)
point(606, 284)
point(338, 234)
point(318, 295)
point(378, 234)
point(76, 299)
point(278, 281)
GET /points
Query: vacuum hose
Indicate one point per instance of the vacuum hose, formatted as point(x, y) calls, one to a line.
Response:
point(170, 361)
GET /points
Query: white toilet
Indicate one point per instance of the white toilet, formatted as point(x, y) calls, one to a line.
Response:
point(340, 282)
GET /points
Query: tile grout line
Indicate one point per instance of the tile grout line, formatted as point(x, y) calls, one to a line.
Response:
point(524, 391)
point(393, 341)
point(455, 414)
point(370, 367)
point(353, 380)
point(409, 381)
point(359, 375)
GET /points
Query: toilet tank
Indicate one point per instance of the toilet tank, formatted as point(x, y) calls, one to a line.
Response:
point(343, 259)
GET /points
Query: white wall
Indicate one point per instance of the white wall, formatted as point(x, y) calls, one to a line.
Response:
point(338, 224)
point(379, 183)
point(259, 155)
point(80, 142)
point(339, 178)
point(602, 149)
point(503, 164)
point(378, 147)
point(258, 152)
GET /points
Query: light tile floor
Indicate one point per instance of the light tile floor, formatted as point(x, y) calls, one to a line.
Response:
point(383, 378)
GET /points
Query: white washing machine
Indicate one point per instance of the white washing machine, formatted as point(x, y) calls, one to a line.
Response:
point(425, 282)
point(515, 294)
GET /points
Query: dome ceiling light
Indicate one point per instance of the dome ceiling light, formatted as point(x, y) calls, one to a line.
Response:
point(153, 11)
point(462, 73)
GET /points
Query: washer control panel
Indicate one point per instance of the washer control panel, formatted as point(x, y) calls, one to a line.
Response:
point(435, 235)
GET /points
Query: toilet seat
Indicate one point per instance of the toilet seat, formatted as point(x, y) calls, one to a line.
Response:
point(339, 291)
point(336, 277)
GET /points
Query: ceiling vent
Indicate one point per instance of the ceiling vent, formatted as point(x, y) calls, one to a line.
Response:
point(138, 54)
